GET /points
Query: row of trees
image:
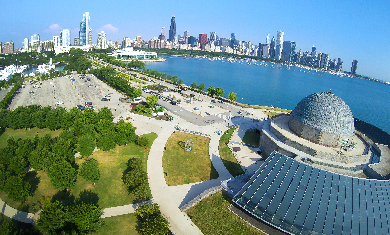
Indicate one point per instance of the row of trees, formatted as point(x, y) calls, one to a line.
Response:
point(32, 58)
point(113, 79)
point(77, 61)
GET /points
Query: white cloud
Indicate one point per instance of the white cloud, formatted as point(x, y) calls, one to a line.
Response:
point(54, 27)
point(108, 28)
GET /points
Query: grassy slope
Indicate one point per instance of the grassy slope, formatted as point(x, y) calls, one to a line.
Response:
point(227, 156)
point(252, 138)
point(183, 167)
point(22, 133)
point(123, 224)
point(212, 216)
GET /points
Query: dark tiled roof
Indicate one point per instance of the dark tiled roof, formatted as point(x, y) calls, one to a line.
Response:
point(300, 199)
point(326, 112)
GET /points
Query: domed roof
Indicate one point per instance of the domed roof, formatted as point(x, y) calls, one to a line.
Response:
point(326, 112)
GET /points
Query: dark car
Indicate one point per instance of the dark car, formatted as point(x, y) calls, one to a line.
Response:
point(105, 99)
point(173, 102)
point(80, 107)
point(88, 103)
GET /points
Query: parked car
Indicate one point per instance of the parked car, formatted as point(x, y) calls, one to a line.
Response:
point(90, 85)
point(59, 102)
point(196, 108)
point(87, 103)
point(105, 99)
point(80, 107)
point(173, 102)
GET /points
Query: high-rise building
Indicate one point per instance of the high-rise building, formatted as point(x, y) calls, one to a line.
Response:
point(76, 41)
point(354, 67)
point(26, 45)
point(339, 64)
point(267, 39)
point(90, 37)
point(1, 48)
point(192, 41)
point(213, 37)
point(56, 41)
point(65, 37)
point(138, 39)
point(35, 37)
point(265, 51)
point(102, 40)
point(84, 30)
point(288, 51)
point(126, 42)
point(279, 44)
point(47, 45)
point(202, 40)
point(232, 40)
point(272, 48)
point(323, 60)
point(186, 36)
point(162, 36)
point(172, 29)
point(8, 47)
point(313, 51)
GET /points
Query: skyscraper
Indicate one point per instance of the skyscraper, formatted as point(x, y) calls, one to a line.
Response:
point(76, 41)
point(202, 40)
point(25, 45)
point(172, 29)
point(186, 36)
point(267, 39)
point(102, 40)
point(84, 29)
point(56, 41)
point(279, 44)
point(65, 37)
point(232, 40)
point(35, 37)
point(313, 52)
point(90, 37)
point(272, 48)
point(354, 67)
point(213, 36)
point(162, 36)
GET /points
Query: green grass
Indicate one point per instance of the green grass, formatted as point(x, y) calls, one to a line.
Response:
point(212, 216)
point(227, 156)
point(252, 138)
point(123, 224)
point(181, 167)
point(109, 191)
point(29, 133)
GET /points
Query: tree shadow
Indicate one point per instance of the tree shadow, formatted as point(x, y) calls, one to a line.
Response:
point(88, 197)
point(181, 144)
point(34, 181)
point(65, 197)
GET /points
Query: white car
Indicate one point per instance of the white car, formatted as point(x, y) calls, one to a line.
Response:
point(59, 102)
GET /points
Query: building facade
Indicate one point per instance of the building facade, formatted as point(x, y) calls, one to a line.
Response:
point(8, 47)
point(354, 67)
point(172, 30)
point(102, 40)
point(65, 37)
point(84, 29)
point(26, 45)
point(279, 45)
point(56, 41)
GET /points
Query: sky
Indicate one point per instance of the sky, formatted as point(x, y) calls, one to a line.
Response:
point(348, 29)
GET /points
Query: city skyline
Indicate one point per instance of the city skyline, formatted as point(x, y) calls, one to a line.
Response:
point(349, 30)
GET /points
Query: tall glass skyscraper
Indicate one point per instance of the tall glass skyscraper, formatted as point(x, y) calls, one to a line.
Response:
point(84, 29)
point(172, 29)
point(65, 37)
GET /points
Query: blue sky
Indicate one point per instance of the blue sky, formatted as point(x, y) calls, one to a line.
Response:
point(349, 29)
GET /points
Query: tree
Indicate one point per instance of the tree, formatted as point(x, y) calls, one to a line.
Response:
point(86, 218)
point(136, 179)
point(142, 141)
point(151, 100)
point(106, 140)
point(201, 87)
point(53, 218)
point(193, 85)
point(219, 91)
point(62, 175)
point(151, 220)
point(232, 96)
point(211, 91)
point(180, 81)
point(17, 188)
point(125, 132)
point(86, 145)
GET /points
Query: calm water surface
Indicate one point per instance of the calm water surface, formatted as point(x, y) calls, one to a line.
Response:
point(280, 87)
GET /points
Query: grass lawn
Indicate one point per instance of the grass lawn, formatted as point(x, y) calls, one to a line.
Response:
point(252, 138)
point(29, 133)
point(123, 224)
point(227, 156)
point(109, 190)
point(212, 216)
point(181, 167)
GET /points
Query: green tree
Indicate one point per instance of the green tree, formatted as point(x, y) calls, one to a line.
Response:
point(62, 175)
point(136, 178)
point(232, 96)
point(194, 85)
point(219, 91)
point(86, 218)
point(151, 220)
point(17, 188)
point(125, 132)
point(180, 81)
point(201, 87)
point(151, 100)
point(86, 145)
point(211, 91)
point(106, 140)
point(53, 218)
point(90, 170)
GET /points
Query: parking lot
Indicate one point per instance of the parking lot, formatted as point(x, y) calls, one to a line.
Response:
point(68, 92)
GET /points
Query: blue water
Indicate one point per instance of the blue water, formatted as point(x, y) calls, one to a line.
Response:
point(34, 69)
point(369, 101)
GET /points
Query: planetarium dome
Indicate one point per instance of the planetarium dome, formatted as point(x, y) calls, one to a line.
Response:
point(323, 118)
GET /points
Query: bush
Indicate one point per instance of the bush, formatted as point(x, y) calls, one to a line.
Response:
point(150, 219)
point(142, 141)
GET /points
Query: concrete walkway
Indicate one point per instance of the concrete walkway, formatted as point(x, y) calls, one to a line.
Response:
point(16, 214)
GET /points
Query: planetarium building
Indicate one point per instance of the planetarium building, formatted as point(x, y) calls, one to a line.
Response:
point(322, 176)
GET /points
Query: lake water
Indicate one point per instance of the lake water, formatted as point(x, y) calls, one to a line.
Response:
point(34, 69)
point(277, 86)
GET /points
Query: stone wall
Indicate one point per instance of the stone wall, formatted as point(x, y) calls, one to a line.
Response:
point(267, 146)
point(315, 135)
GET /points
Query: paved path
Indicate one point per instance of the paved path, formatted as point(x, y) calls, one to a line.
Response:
point(15, 214)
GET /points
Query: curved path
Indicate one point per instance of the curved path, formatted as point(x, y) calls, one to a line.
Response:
point(170, 198)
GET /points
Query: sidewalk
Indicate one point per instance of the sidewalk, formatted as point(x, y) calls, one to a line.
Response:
point(15, 214)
